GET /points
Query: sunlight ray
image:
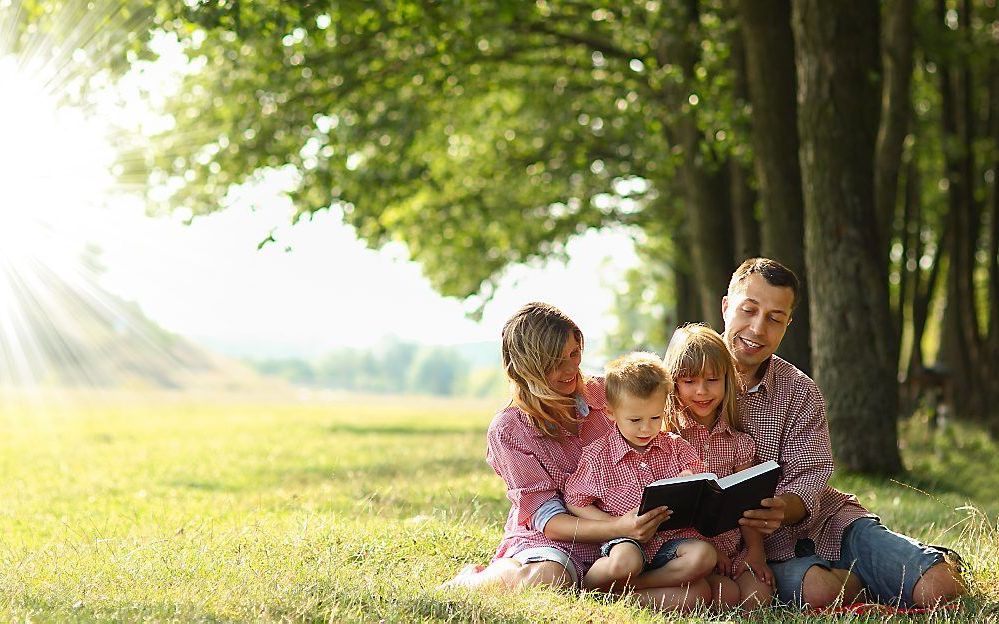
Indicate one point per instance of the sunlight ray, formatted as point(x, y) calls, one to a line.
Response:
point(59, 327)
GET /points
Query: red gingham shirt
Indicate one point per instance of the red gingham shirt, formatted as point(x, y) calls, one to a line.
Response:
point(723, 449)
point(786, 415)
point(612, 475)
point(535, 468)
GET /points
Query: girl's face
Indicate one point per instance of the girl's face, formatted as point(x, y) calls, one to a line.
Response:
point(565, 376)
point(701, 396)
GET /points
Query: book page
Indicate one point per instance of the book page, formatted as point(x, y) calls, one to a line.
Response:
point(748, 473)
point(701, 476)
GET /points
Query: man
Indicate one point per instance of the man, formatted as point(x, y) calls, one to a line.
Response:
point(822, 543)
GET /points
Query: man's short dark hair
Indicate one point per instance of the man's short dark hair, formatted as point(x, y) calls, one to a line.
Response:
point(774, 272)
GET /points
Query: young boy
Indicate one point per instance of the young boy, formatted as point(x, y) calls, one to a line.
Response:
point(614, 470)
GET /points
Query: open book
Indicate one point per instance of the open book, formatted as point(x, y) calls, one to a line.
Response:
point(707, 503)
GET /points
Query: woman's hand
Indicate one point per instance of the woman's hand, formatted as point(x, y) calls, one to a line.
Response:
point(641, 528)
point(768, 519)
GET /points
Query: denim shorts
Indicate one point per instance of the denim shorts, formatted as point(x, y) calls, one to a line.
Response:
point(887, 563)
point(667, 552)
point(548, 553)
point(605, 548)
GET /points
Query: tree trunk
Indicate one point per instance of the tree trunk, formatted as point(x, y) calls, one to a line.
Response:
point(705, 182)
point(745, 224)
point(896, 55)
point(769, 49)
point(960, 341)
point(836, 48)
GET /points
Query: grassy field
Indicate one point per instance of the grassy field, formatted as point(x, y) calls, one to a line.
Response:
point(164, 508)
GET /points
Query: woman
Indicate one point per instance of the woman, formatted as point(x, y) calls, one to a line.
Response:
point(534, 445)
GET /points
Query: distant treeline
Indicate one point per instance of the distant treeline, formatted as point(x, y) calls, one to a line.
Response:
point(395, 367)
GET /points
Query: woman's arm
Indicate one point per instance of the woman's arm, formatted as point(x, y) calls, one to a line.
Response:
point(590, 512)
point(567, 528)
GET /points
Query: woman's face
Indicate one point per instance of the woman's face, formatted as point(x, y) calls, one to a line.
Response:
point(565, 376)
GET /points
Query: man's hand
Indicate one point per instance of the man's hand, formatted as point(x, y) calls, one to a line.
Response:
point(768, 519)
point(641, 528)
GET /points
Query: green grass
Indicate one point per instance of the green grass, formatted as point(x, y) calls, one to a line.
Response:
point(162, 508)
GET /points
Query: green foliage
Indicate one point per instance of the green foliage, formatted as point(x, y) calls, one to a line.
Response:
point(171, 510)
point(478, 135)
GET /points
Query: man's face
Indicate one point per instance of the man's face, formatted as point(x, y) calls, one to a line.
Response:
point(756, 316)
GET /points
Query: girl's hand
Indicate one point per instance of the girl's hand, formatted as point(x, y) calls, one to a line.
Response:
point(757, 565)
point(724, 565)
point(642, 528)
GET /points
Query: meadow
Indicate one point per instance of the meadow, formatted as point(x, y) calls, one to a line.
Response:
point(160, 507)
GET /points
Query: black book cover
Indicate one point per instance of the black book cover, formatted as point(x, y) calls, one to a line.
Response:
point(709, 504)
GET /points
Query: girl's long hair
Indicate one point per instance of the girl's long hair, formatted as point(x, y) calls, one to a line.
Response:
point(533, 340)
point(696, 350)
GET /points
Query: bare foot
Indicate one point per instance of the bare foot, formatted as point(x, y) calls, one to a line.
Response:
point(464, 577)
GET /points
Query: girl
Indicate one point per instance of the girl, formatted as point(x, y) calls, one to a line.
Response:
point(704, 413)
point(534, 445)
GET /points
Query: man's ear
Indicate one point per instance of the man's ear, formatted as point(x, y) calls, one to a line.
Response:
point(724, 304)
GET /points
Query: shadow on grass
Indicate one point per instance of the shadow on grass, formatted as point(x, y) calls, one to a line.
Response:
point(204, 486)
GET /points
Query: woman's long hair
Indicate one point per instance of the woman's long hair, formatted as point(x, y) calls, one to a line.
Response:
point(696, 350)
point(533, 340)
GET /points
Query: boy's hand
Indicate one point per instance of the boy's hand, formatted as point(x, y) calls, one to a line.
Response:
point(641, 528)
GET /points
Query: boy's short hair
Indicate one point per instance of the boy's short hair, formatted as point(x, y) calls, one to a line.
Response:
point(637, 374)
point(774, 272)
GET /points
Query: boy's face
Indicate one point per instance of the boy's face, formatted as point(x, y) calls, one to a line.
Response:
point(639, 420)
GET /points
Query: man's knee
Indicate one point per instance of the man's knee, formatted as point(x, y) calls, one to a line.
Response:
point(940, 583)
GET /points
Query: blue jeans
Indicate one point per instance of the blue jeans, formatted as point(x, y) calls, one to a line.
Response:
point(887, 563)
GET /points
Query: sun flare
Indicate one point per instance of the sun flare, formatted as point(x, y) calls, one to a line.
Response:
point(58, 326)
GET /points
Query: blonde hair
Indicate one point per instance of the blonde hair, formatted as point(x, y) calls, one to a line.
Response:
point(637, 374)
point(532, 344)
point(694, 350)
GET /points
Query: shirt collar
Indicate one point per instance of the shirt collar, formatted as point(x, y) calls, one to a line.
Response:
point(618, 448)
point(768, 377)
point(720, 426)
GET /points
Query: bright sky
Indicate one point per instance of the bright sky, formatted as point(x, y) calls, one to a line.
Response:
point(208, 280)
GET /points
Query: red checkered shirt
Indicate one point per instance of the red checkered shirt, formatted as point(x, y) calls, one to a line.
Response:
point(724, 450)
point(612, 475)
point(786, 415)
point(535, 468)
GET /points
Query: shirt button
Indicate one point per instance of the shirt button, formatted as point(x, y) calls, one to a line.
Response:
point(643, 465)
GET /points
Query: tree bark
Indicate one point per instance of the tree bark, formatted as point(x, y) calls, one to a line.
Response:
point(769, 49)
point(836, 46)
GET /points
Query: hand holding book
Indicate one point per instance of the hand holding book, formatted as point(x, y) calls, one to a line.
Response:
point(709, 504)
